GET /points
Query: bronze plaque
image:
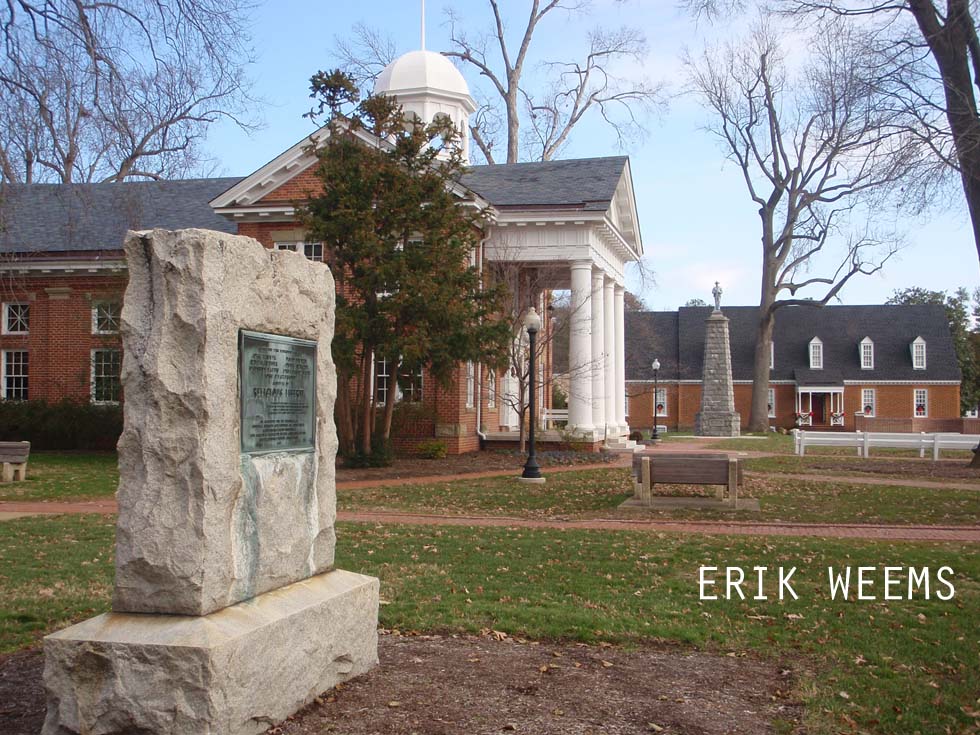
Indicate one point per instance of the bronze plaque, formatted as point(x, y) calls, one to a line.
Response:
point(277, 375)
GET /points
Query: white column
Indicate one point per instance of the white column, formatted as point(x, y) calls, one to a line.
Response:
point(600, 404)
point(580, 349)
point(619, 310)
point(608, 357)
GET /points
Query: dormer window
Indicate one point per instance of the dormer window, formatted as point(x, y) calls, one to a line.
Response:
point(867, 348)
point(919, 354)
point(816, 354)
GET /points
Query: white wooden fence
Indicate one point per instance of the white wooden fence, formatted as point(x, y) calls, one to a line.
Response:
point(863, 441)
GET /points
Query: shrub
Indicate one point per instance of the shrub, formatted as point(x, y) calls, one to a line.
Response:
point(381, 455)
point(434, 449)
point(63, 425)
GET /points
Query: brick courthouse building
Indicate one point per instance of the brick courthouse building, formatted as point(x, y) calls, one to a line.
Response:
point(563, 225)
point(887, 368)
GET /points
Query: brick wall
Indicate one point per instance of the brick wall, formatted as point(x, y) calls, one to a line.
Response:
point(894, 402)
point(60, 339)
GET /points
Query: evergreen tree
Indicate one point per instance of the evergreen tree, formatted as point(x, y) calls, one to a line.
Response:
point(958, 313)
point(398, 239)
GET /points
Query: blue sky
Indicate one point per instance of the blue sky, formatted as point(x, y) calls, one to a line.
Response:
point(697, 221)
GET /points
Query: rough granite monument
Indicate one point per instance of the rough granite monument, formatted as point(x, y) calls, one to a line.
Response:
point(717, 416)
point(227, 615)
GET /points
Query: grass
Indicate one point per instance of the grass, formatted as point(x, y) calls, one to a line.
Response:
point(878, 466)
point(895, 667)
point(599, 492)
point(53, 571)
point(65, 476)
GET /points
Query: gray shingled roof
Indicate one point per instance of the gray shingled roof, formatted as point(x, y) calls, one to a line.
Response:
point(677, 339)
point(581, 183)
point(36, 218)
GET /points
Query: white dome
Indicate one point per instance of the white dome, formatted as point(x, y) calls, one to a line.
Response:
point(421, 70)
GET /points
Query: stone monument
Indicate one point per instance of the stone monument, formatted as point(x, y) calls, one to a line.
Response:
point(227, 615)
point(717, 416)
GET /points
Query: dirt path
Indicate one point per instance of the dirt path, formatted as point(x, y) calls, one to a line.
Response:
point(437, 685)
point(737, 528)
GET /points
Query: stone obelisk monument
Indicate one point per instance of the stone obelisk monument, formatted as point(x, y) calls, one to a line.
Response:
point(227, 615)
point(717, 416)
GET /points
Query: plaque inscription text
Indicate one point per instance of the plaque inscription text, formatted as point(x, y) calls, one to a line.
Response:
point(278, 380)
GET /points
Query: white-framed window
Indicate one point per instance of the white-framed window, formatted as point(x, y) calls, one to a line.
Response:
point(771, 399)
point(918, 354)
point(772, 355)
point(105, 317)
point(106, 368)
point(409, 385)
point(920, 403)
point(382, 380)
point(867, 348)
point(662, 402)
point(491, 388)
point(16, 318)
point(470, 384)
point(816, 354)
point(312, 250)
point(868, 401)
point(16, 364)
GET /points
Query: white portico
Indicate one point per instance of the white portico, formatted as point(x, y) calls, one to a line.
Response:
point(559, 225)
point(572, 225)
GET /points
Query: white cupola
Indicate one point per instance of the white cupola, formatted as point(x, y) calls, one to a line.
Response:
point(427, 84)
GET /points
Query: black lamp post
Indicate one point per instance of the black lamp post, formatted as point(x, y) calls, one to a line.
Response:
point(656, 375)
point(532, 322)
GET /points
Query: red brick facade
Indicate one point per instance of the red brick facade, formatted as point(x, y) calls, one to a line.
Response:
point(60, 339)
point(892, 401)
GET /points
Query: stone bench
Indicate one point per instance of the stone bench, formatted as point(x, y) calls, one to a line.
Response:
point(14, 456)
point(650, 470)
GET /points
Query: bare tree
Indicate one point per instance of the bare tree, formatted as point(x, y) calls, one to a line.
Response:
point(926, 57)
point(109, 91)
point(532, 122)
point(816, 152)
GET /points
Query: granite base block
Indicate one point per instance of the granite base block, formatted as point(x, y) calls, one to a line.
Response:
point(234, 672)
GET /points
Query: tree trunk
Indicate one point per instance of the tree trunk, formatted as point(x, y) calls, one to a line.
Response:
point(759, 415)
point(950, 47)
point(513, 124)
point(390, 403)
point(367, 403)
point(342, 413)
point(975, 462)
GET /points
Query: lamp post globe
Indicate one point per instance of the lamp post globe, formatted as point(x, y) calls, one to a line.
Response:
point(532, 322)
point(655, 365)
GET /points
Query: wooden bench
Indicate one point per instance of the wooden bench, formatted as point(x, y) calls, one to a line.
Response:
point(687, 469)
point(14, 456)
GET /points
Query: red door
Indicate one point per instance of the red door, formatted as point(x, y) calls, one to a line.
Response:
point(818, 408)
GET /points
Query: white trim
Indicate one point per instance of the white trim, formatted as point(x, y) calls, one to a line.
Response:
point(873, 402)
point(3, 373)
point(918, 342)
point(95, 316)
point(815, 364)
point(866, 342)
point(925, 403)
point(491, 388)
point(902, 382)
point(470, 384)
point(92, 374)
point(5, 316)
point(772, 355)
point(67, 266)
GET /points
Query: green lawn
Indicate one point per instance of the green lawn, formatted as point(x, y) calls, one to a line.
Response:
point(65, 476)
point(593, 493)
point(896, 667)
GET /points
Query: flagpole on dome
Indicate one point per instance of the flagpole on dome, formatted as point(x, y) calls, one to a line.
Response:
point(423, 25)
